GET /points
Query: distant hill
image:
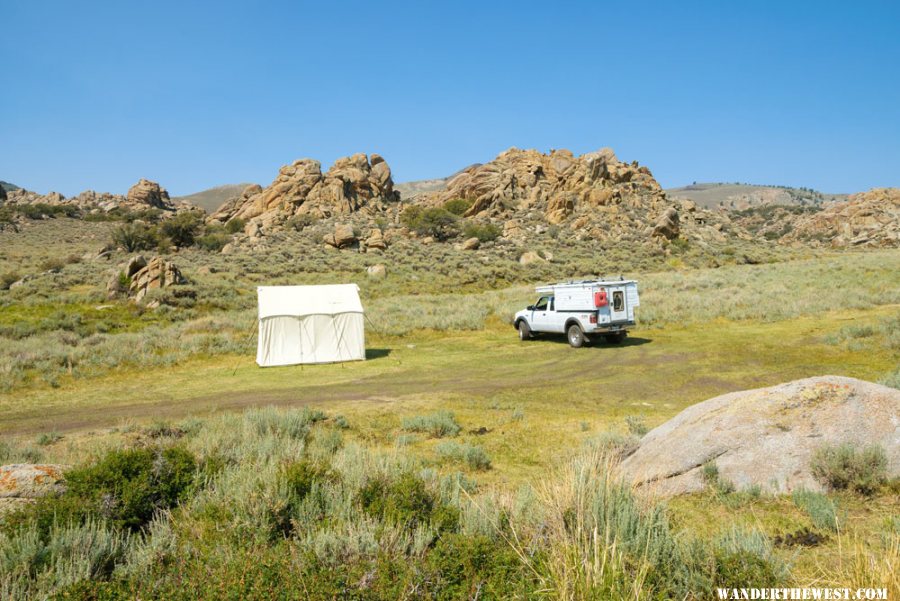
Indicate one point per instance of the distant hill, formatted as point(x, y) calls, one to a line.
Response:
point(410, 190)
point(213, 198)
point(8, 186)
point(738, 196)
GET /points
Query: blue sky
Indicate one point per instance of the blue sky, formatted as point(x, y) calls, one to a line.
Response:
point(98, 94)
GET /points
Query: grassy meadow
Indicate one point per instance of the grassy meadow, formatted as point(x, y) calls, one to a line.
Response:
point(455, 463)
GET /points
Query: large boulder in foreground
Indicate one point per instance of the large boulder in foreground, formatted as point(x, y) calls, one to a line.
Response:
point(767, 436)
point(30, 480)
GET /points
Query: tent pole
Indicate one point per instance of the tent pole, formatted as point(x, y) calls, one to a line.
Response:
point(249, 336)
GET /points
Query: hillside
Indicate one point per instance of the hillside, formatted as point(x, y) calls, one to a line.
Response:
point(414, 189)
point(211, 199)
point(736, 196)
point(8, 186)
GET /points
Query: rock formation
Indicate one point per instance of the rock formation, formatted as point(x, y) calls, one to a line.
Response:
point(867, 219)
point(142, 196)
point(157, 273)
point(149, 194)
point(594, 194)
point(766, 437)
point(353, 184)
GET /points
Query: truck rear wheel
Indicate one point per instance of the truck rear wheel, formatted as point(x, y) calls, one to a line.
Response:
point(524, 330)
point(575, 335)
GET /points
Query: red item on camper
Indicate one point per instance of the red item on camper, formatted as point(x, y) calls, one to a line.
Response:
point(600, 298)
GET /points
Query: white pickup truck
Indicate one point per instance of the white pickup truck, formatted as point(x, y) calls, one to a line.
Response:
point(580, 310)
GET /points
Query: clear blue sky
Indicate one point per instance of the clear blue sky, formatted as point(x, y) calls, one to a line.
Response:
point(98, 94)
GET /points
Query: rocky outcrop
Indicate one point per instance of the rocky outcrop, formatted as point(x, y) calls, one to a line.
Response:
point(138, 276)
point(358, 183)
point(595, 195)
point(766, 437)
point(867, 219)
point(141, 196)
point(149, 194)
point(555, 183)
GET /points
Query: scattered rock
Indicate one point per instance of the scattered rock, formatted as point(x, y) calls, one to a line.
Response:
point(376, 240)
point(766, 437)
point(530, 257)
point(471, 244)
point(667, 226)
point(377, 271)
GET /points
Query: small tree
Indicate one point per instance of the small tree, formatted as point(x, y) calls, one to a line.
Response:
point(432, 221)
point(134, 236)
point(182, 228)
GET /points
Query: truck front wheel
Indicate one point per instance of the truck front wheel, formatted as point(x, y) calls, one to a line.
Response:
point(524, 330)
point(575, 335)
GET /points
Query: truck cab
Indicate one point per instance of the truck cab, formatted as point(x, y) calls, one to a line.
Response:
point(581, 310)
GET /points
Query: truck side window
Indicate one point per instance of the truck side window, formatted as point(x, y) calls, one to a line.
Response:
point(541, 305)
point(552, 298)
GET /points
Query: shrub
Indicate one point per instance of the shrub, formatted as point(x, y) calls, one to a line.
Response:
point(235, 225)
point(818, 507)
point(134, 236)
point(458, 206)
point(430, 221)
point(636, 425)
point(52, 264)
point(213, 241)
point(472, 455)
point(485, 232)
point(299, 222)
point(48, 438)
point(743, 557)
point(436, 425)
point(405, 501)
point(844, 467)
point(182, 228)
point(711, 477)
point(613, 444)
point(891, 379)
point(8, 279)
point(469, 567)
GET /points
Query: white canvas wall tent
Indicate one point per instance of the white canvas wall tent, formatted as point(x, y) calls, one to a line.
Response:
point(310, 324)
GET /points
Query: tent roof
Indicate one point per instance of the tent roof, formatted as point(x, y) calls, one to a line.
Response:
point(308, 300)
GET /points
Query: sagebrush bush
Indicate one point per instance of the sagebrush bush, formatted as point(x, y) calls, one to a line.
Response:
point(472, 455)
point(847, 467)
point(485, 232)
point(820, 509)
point(437, 425)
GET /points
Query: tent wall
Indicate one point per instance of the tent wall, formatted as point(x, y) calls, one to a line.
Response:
point(289, 339)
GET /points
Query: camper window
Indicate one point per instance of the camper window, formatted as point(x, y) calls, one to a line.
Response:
point(618, 301)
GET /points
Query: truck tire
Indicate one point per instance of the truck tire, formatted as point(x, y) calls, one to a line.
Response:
point(524, 330)
point(575, 335)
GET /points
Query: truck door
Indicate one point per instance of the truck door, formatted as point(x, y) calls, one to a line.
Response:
point(541, 315)
point(618, 304)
